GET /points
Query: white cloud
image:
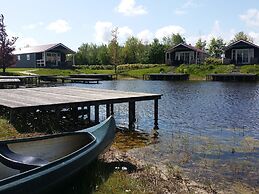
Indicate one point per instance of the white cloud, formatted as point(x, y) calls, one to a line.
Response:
point(168, 31)
point(24, 41)
point(129, 8)
point(180, 12)
point(255, 36)
point(103, 31)
point(251, 17)
point(216, 32)
point(32, 26)
point(145, 36)
point(187, 5)
point(124, 33)
point(59, 26)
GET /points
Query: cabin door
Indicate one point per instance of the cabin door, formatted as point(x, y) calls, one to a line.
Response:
point(242, 56)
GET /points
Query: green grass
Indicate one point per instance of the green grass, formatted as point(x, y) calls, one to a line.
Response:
point(138, 73)
point(250, 69)
point(6, 130)
point(200, 71)
point(121, 183)
point(62, 72)
point(197, 72)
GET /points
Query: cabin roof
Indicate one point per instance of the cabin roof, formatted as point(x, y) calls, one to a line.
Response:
point(43, 48)
point(234, 43)
point(187, 46)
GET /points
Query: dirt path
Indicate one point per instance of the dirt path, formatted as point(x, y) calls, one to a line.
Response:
point(28, 72)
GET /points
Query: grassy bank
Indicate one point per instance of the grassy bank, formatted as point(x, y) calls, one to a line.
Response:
point(197, 72)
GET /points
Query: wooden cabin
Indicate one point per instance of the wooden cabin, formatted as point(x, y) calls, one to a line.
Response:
point(241, 53)
point(184, 54)
point(49, 56)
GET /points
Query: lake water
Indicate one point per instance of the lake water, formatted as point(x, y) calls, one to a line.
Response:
point(210, 129)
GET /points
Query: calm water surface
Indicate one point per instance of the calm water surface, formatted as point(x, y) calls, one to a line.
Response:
point(211, 129)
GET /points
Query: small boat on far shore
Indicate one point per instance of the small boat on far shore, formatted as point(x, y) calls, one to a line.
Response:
point(32, 165)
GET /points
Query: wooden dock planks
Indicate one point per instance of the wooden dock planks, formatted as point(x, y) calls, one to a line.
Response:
point(33, 97)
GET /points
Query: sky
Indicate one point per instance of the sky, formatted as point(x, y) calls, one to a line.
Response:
point(91, 21)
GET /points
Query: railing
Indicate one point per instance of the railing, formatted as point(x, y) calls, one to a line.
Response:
point(40, 63)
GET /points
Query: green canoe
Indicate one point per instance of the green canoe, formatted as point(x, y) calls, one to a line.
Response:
point(31, 165)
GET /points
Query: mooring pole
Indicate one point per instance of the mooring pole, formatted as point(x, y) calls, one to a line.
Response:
point(156, 114)
point(96, 114)
point(132, 115)
point(108, 110)
point(112, 109)
point(88, 113)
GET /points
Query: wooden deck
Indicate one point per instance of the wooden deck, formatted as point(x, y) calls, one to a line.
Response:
point(167, 76)
point(232, 77)
point(46, 96)
point(56, 99)
point(97, 76)
point(6, 83)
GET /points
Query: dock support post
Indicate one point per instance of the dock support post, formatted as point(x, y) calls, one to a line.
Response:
point(108, 110)
point(156, 114)
point(88, 113)
point(132, 115)
point(96, 114)
point(112, 109)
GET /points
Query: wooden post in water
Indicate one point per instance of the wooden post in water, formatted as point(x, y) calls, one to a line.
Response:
point(132, 115)
point(112, 109)
point(156, 114)
point(88, 113)
point(108, 110)
point(96, 114)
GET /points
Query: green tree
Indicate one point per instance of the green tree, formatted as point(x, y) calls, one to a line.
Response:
point(114, 49)
point(216, 47)
point(103, 55)
point(134, 51)
point(81, 56)
point(242, 36)
point(92, 54)
point(6, 47)
point(156, 52)
point(201, 44)
point(173, 40)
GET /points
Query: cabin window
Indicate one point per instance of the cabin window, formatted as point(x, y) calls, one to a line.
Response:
point(167, 55)
point(28, 57)
point(18, 57)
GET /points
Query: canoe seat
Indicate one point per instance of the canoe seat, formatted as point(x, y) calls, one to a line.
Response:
point(18, 161)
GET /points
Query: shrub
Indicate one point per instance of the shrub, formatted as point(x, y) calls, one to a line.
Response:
point(212, 61)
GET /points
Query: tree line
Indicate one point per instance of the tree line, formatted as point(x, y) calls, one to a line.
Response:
point(136, 51)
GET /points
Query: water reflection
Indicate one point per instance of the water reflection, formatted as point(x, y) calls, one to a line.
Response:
point(209, 128)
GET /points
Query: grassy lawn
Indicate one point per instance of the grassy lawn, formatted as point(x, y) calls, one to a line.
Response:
point(120, 183)
point(250, 69)
point(197, 72)
point(138, 73)
point(63, 72)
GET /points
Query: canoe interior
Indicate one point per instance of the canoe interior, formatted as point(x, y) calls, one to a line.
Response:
point(49, 148)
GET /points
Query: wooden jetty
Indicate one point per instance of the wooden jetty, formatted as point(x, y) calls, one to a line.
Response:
point(30, 79)
point(95, 76)
point(54, 100)
point(232, 77)
point(167, 76)
point(81, 80)
point(6, 83)
point(55, 78)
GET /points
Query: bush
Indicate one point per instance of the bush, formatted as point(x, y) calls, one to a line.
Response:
point(135, 66)
point(96, 67)
point(212, 61)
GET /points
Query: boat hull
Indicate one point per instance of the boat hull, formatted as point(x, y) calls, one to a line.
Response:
point(41, 178)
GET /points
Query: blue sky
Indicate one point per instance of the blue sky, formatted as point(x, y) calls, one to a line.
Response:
point(84, 21)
